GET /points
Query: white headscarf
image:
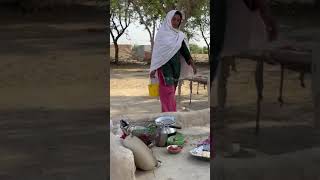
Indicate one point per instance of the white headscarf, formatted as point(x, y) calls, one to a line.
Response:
point(167, 43)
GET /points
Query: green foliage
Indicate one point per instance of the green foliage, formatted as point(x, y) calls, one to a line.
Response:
point(121, 12)
point(150, 13)
point(205, 50)
point(199, 23)
point(195, 49)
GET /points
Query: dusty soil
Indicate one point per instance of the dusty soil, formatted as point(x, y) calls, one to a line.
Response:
point(189, 167)
point(129, 96)
point(129, 92)
point(178, 166)
point(53, 95)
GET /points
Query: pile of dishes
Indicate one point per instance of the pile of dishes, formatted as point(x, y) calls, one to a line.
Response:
point(202, 151)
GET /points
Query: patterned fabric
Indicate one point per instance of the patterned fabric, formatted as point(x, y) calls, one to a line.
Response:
point(171, 70)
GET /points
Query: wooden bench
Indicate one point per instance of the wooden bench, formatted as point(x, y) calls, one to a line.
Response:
point(299, 60)
point(198, 79)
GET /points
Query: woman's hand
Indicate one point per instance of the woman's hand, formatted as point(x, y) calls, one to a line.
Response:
point(153, 74)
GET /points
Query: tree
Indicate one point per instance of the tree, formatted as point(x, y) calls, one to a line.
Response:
point(192, 9)
point(120, 20)
point(149, 14)
point(200, 22)
point(205, 49)
point(195, 49)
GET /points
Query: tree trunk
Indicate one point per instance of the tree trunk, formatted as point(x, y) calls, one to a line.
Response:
point(152, 44)
point(116, 50)
point(208, 51)
point(153, 34)
point(205, 39)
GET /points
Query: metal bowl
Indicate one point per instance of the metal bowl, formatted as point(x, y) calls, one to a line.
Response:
point(165, 120)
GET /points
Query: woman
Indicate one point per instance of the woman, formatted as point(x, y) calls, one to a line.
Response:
point(171, 59)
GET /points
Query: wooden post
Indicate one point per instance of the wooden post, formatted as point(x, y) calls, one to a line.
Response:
point(223, 74)
point(198, 88)
point(280, 99)
point(259, 87)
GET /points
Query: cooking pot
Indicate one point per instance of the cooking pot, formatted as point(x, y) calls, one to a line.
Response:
point(169, 124)
point(165, 120)
point(165, 129)
point(162, 134)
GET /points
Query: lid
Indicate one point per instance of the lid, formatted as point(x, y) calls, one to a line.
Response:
point(165, 120)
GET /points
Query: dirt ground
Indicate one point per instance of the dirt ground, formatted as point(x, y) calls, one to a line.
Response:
point(53, 88)
point(129, 92)
point(129, 96)
point(189, 167)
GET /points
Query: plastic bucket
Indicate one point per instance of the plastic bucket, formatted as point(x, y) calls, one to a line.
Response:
point(153, 90)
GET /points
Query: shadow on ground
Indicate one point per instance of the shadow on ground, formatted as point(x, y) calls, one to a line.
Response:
point(276, 140)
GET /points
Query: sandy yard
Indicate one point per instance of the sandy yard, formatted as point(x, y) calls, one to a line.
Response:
point(129, 96)
point(129, 92)
point(182, 165)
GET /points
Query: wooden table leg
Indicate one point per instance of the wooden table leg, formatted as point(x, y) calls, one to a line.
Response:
point(190, 91)
point(223, 74)
point(198, 88)
point(259, 87)
point(281, 85)
point(301, 77)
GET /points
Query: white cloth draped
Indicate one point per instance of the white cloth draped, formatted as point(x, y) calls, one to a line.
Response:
point(167, 43)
